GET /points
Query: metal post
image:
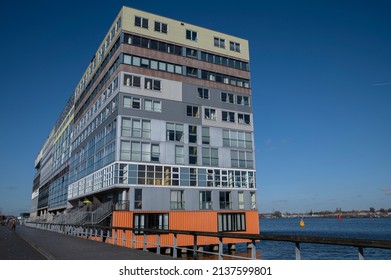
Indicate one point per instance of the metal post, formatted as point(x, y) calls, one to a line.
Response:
point(253, 250)
point(361, 253)
point(145, 242)
point(174, 252)
point(115, 237)
point(133, 240)
point(298, 257)
point(220, 248)
point(195, 247)
point(101, 235)
point(158, 245)
point(123, 238)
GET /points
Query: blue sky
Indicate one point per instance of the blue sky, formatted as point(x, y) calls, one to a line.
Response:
point(321, 85)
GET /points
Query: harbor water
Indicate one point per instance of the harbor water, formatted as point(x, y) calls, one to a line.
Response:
point(357, 228)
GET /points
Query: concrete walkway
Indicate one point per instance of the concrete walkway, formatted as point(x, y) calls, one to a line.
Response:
point(34, 244)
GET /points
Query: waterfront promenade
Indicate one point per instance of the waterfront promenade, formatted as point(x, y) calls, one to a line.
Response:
point(34, 244)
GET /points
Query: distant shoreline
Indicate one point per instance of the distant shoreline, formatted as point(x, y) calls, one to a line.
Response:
point(346, 215)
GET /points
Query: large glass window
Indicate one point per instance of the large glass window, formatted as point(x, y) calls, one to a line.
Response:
point(126, 126)
point(205, 135)
point(138, 198)
point(177, 201)
point(253, 200)
point(210, 156)
point(225, 200)
point(150, 221)
point(231, 221)
point(192, 134)
point(242, 159)
point(152, 105)
point(238, 139)
point(193, 159)
point(241, 200)
point(205, 200)
point(141, 128)
point(132, 102)
point(179, 155)
point(174, 132)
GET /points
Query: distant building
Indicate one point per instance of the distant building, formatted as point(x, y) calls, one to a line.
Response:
point(161, 127)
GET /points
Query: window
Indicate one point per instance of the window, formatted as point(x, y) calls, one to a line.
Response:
point(177, 201)
point(192, 111)
point(155, 152)
point(210, 114)
point(253, 201)
point(141, 22)
point(132, 102)
point(238, 139)
point(225, 200)
point(126, 126)
point(242, 100)
point(191, 35)
point(231, 222)
point(138, 198)
point(203, 93)
point(218, 42)
point(205, 200)
point(192, 134)
point(161, 27)
point(210, 156)
point(130, 80)
point(241, 200)
point(205, 136)
point(125, 150)
point(193, 155)
point(233, 46)
point(228, 116)
point(152, 84)
point(144, 152)
point(152, 105)
point(191, 53)
point(243, 118)
point(179, 155)
point(141, 128)
point(150, 221)
point(174, 132)
point(242, 159)
point(190, 71)
point(227, 97)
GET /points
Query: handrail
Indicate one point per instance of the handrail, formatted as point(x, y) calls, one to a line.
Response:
point(359, 243)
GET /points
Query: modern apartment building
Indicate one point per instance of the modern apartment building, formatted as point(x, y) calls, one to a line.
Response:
point(160, 126)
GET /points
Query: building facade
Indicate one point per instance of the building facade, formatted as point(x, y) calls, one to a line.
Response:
point(160, 125)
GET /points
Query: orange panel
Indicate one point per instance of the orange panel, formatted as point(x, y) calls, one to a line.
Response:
point(182, 220)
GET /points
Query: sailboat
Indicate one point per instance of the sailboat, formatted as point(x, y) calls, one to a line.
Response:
point(301, 222)
point(339, 217)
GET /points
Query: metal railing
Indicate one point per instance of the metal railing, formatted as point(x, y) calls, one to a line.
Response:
point(118, 235)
